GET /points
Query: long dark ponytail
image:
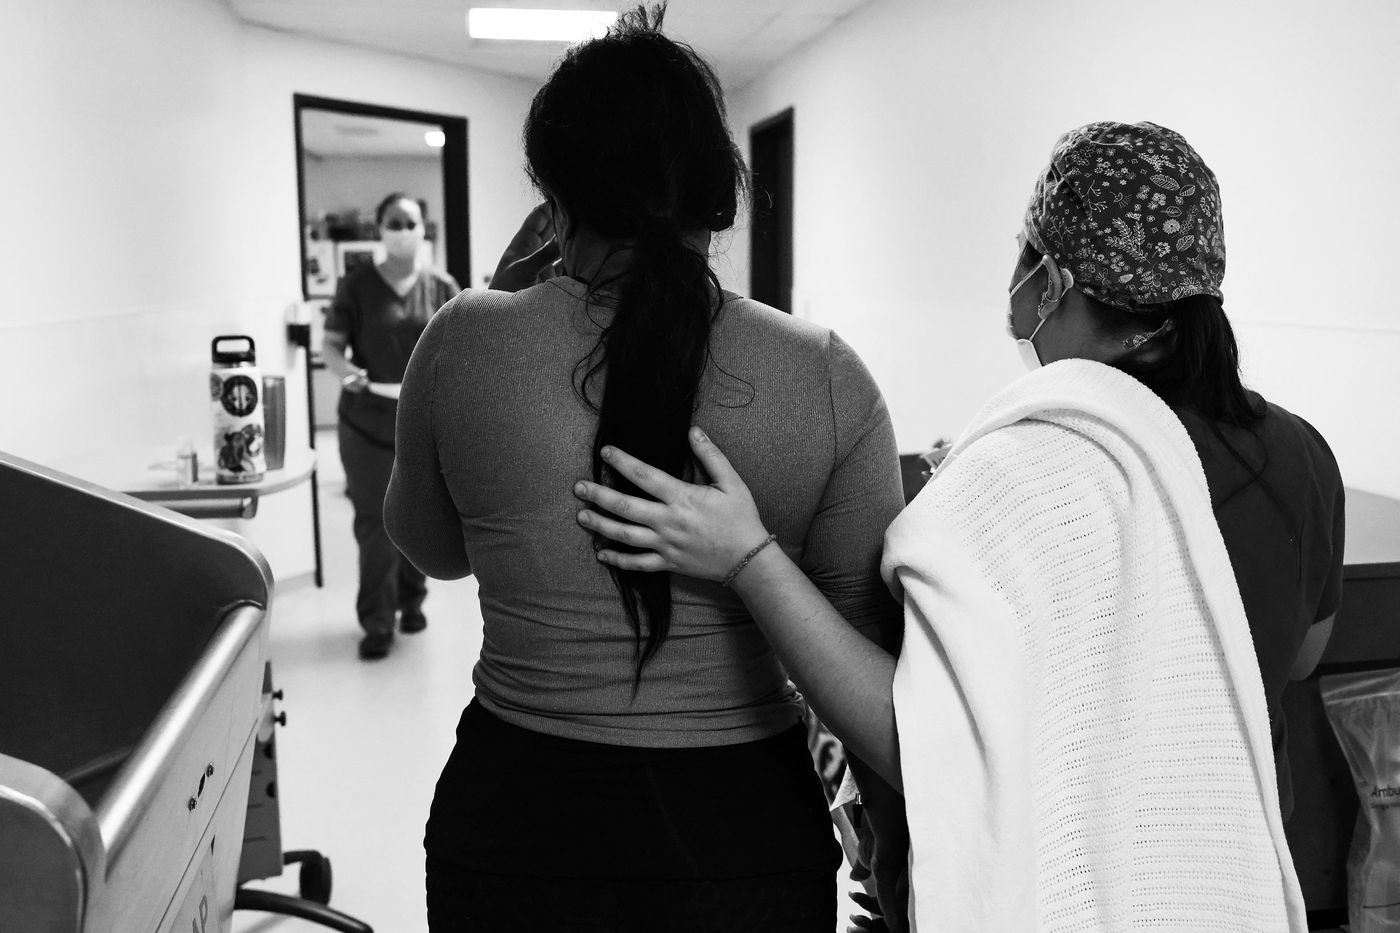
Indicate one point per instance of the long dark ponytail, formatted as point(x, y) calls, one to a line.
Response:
point(1201, 369)
point(1199, 372)
point(629, 137)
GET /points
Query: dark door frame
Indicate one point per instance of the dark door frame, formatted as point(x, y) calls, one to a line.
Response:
point(771, 231)
point(456, 215)
point(455, 199)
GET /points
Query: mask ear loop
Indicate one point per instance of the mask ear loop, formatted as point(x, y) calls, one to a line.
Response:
point(1057, 282)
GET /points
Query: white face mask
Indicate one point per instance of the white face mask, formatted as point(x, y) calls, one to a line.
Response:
point(1030, 357)
point(402, 244)
point(1025, 347)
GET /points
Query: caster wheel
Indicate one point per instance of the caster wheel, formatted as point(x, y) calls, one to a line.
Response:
point(315, 879)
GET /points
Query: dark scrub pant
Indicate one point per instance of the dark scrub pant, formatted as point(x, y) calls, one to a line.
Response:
point(534, 833)
point(388, 581)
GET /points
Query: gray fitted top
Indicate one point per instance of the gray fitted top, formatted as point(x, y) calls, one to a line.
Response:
point(490, 427)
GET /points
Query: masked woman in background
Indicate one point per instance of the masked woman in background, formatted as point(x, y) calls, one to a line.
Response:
point(634, 758)
point(378, 314)
point(1107, 584)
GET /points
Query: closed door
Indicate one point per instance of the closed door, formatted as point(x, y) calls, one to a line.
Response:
point(770, 245)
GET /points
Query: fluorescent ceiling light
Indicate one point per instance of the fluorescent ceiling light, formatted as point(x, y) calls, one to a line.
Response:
point(435, 138)
point(538, 25)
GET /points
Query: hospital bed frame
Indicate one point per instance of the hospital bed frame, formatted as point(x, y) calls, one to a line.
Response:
point(134, 684)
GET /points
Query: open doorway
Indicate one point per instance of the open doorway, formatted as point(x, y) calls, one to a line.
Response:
point(770, 241)
point(349, 156)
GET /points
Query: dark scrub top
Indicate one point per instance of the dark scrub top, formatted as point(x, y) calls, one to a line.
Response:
point(381, 328)
point(1287, 554)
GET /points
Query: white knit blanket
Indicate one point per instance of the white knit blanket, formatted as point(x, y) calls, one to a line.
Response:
point(1083, 731)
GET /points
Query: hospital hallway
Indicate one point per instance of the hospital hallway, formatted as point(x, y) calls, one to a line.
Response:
point(364, 742)
point(1085, 537)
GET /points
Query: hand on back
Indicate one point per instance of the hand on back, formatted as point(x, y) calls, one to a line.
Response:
point(700, 531)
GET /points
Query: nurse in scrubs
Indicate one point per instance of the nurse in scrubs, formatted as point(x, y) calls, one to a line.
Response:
point(378, 314)
point(1107, 584)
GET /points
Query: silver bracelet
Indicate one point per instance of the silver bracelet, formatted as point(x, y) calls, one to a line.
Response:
point(748, 557)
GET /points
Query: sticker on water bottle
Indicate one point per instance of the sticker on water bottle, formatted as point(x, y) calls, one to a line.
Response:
point(240, 396)
point(239, 448)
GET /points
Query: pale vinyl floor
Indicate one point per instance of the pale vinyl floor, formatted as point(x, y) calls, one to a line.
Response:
point(364, 742)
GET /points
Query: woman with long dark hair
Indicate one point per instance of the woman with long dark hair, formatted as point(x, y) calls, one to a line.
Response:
point(1107, 584)
point(634, 757)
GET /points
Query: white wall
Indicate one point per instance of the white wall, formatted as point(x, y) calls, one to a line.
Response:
point(920, 128)
point(279, 65)
point(123, 243)
point(151, 204)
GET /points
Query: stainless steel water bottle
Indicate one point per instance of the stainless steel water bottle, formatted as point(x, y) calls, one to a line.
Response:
point(274, 406)
point(235, 394)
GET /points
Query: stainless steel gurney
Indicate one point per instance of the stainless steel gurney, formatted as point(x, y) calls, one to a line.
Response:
point(132, 650)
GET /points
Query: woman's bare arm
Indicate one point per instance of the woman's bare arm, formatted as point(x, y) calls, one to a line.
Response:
point(419, 513)
point(352, 378)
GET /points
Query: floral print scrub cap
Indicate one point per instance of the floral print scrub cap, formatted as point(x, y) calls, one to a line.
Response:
point(1133, 212)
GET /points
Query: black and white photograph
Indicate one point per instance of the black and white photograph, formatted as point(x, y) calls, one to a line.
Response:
point(700, 466)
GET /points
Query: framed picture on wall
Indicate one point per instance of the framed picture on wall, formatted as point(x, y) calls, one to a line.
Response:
point(352, 253)
point(320, 268)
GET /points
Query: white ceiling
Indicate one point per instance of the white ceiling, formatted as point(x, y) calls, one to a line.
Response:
point(324, 133)
point(741, 38)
